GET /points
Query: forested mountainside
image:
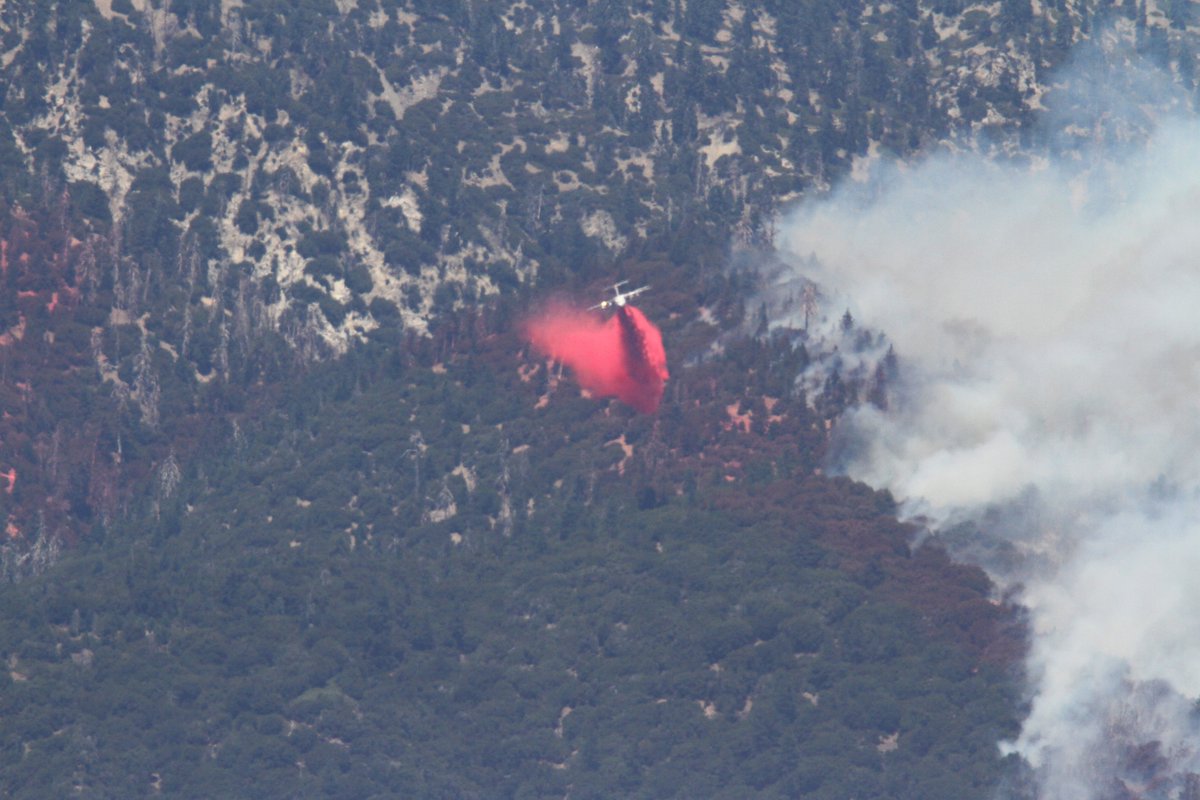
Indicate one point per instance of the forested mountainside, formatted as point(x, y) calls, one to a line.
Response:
point(199, 195)
point(289, 509)
point(440, 572)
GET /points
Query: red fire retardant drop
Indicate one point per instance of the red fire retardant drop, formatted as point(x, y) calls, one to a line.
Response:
point(620, 357)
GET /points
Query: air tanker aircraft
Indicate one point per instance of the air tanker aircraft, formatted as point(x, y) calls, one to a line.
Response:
point(619, 298)
point(619, 356)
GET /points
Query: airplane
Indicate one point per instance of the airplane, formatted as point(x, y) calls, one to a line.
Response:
point(619, 298)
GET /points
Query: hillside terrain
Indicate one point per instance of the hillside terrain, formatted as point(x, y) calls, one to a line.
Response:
point(289, 508)
point(200, 195)
point(419, 577)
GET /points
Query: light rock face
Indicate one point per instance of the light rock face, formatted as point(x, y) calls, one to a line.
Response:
point(449, 158)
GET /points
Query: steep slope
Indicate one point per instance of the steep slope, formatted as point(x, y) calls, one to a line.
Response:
point(279, 486)
point(250, 185)
point(415, 578)
point(421, 155)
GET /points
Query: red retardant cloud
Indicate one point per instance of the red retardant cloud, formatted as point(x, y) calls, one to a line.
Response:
point(620, 357)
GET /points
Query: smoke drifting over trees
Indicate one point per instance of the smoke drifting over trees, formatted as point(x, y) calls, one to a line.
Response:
point(1047, 426)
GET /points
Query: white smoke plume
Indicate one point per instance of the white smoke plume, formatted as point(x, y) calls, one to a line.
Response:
point(1047, 320)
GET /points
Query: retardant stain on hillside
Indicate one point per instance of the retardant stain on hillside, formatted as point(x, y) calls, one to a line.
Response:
point(620, 357)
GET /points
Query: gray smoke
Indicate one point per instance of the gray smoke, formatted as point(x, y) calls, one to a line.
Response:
point(1047, 319)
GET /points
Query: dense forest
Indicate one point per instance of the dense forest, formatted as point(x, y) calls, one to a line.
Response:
point(409, 576)
point(290, 509)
